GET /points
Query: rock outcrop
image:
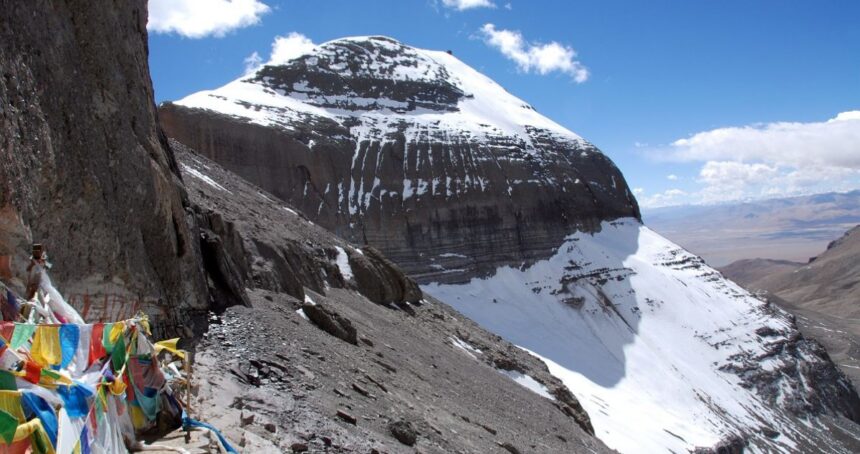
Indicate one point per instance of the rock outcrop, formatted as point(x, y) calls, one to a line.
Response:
point(395, 147)
point(84, 167)
point(250, 239)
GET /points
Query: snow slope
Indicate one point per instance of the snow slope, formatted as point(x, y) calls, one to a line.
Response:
point(645, 336)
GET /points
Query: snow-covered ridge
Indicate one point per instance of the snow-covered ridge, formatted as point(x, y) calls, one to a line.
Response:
point(660, 349)
point(386, 83)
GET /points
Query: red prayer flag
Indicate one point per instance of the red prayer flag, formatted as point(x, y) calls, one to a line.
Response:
point(6, 330)
point(33, 372)
point(97, 349)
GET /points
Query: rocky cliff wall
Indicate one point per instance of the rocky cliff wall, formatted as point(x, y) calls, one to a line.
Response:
point(84, 167)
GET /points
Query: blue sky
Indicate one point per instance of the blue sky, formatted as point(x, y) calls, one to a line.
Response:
point(751, 85)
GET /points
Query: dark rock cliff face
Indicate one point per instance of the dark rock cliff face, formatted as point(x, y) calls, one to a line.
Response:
point(447, 198)
point(85, 169)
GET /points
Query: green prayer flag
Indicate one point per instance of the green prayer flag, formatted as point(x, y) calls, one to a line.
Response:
point(118, 355)
point(51, 374)
point(106, 337)
point(7, 381)
point(8, 426)
point(22, 333)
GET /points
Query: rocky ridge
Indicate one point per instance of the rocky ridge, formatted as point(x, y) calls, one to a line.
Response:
point(249, 239)
point(822, 293)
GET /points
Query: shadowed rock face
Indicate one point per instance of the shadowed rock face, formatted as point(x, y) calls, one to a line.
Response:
point(250, 240)
point(85, 169)
point(408, 151)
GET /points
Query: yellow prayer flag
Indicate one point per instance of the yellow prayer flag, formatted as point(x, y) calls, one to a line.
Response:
point(144, 322)
point(46, 350)
point(117, 388)
point(138, 419)
point(27, 429)
point(10, 402)
point(117, 331)
point(171, 346)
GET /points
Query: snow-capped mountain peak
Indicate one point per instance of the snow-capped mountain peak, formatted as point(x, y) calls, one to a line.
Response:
point(381, 80)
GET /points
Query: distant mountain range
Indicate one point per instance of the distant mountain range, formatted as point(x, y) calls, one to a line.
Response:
point(793, 229)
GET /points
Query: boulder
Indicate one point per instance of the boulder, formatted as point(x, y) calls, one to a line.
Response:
point(331, 322)
point(404, 432)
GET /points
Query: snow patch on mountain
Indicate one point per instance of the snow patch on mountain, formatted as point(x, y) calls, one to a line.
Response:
point(343, 264)
point(203, 177)
point(466, 347)
point(527, 382)
point(245, 99)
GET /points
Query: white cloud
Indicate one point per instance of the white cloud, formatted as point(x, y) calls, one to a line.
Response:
point(834, 143)
point(724, 172)
point(638, 191)
point(252, 62)
point(535, 57)
point(731, 180)
point(850, 115)
point(770, 160)
point(286, 48)
point(201, 18)
point(462, 5)
point(668, 197)
point(672, 177)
